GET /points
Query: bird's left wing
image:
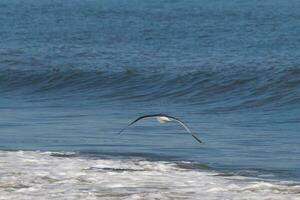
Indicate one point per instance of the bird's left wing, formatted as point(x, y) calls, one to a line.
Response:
point(185, 127)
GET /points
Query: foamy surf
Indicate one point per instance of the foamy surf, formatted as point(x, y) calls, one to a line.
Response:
point(49, 175)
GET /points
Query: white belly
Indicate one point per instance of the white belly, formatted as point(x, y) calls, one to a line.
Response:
point(163, 119)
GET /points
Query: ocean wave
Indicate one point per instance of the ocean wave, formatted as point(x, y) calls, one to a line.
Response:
point(38, 175)
point(235, 87)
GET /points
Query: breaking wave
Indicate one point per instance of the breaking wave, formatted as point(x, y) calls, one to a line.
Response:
point(50, 175)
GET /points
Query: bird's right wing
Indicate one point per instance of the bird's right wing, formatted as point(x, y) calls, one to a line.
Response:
point(138, 119)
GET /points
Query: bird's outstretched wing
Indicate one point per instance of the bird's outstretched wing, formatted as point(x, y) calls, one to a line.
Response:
point(185, 127)
point(138, 119)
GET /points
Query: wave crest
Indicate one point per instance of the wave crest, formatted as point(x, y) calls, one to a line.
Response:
point(236, 87)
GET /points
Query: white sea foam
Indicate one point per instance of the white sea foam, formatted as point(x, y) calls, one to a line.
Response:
point(36, 175)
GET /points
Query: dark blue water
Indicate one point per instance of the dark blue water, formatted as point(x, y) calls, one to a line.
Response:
point(73, 73)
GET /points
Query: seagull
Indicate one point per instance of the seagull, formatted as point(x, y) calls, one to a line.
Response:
point(162, 118)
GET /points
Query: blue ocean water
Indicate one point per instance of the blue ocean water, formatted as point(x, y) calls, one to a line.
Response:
point(73, 73)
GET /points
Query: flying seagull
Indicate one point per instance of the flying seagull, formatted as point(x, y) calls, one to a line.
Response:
point(162, 118)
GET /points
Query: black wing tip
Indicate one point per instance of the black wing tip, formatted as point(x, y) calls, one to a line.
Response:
point(198, 140)
point(122, 130)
